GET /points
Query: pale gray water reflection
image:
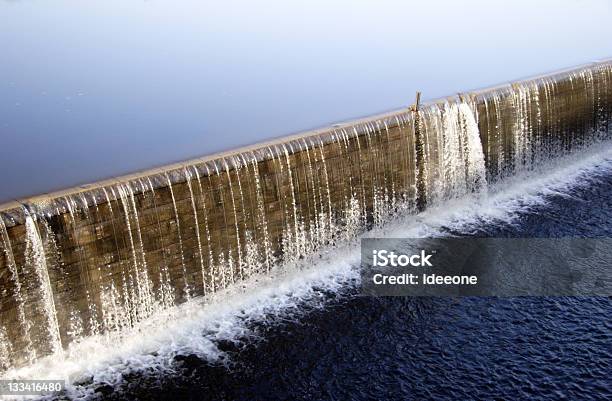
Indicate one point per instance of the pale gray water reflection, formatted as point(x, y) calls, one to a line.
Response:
point(92, 89)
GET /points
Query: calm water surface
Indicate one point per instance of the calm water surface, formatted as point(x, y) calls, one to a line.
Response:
point(92, 89)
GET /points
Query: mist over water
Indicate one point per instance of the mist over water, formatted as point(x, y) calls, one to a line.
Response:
point(91, 90)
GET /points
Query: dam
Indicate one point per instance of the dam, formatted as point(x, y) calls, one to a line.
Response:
point(100, 258)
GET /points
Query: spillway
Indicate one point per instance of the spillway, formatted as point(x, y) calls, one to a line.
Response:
point(100, 258)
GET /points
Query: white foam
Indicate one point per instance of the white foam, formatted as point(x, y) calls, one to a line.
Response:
point(193, 327)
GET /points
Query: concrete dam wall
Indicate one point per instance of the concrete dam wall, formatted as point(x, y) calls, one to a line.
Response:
point(100, 258)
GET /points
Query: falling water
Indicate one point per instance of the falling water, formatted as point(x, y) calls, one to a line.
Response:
point(77, 326)
point(251, 258)
point(101, 261)
point(238, 244)
point(330, 226)
point(299, 241)
point(141, 297)
point(5, 350)
point(187, 287)
point(226, 264)
point(317, 235)
point(253, 251)
point(459, 167)
point(292, 243)
point(362, 185)
point(115, 313)
point(197, 227)
point(211, 259)
point(261, 208)
point(144, 283)
point(18, 295)
point(36, 260)
point(476, 176)
point(288, 233)
point(165, 296)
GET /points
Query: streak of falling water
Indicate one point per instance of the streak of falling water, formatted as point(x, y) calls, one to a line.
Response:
point(591, 96)
point(125, 290)
point(344, 140)
point(94, 323)
point(251, 258)
point(353, 216)
point(92, 309)
point(141, 291)
point(211, 259)
point(303, 246)
point(316, 233)
point(24, 323)
point(35, 259)
point(287, 238)
point(238, 244)
point(76, 330)
point(75, 327)
point(224, 277)
point(6, 350)
point(522, 129)
point(322, 185)
point(602, 121)
point(197, 226)
point(297, 248)
point(307, 233)
point(476, 170)
point(187, 289)
point(460, 164)
point(254, 254)
point(499, 137)
point(362, 185)
point(146, 290)
point(225, 264)
point(434, 124)
point(393, 195)
point(343, 146)
point(383, 196)
point(268, 255)
point(130, 296)
point(327, 190)
point(165, 291)
point(538, 151)
point(114, 313)
point(546, 113)
point(353, 223)
point(485, 102)
point(408, 196)
point(378, 187)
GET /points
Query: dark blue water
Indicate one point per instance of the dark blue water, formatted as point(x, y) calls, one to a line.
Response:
point(94, 89)
point(365, 348)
